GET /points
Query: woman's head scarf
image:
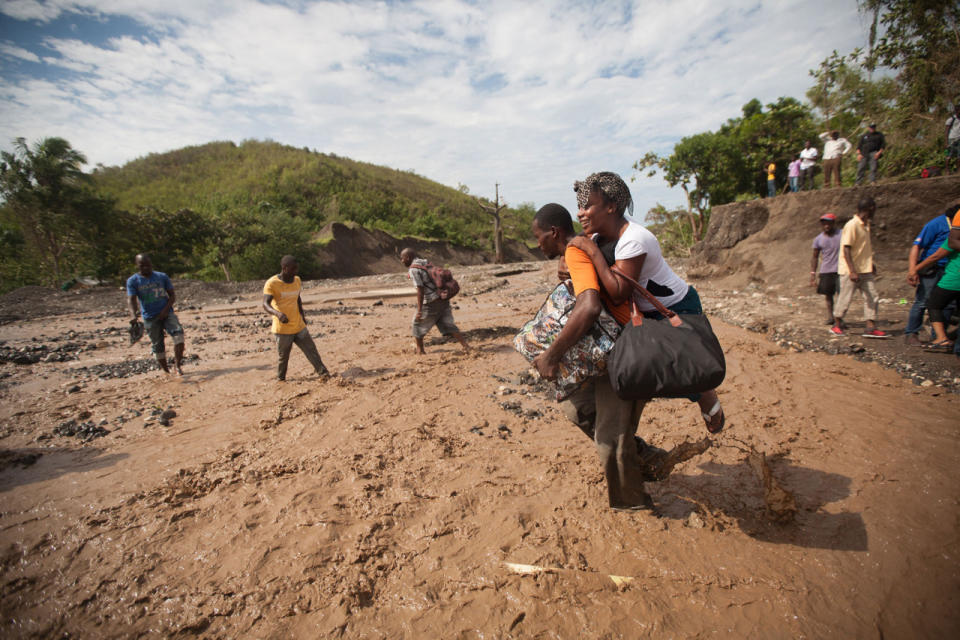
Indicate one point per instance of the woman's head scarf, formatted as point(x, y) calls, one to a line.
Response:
point(610, 185)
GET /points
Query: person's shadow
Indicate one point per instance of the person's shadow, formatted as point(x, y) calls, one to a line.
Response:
point(201, 375)
point(736, 490)
point(19, 467)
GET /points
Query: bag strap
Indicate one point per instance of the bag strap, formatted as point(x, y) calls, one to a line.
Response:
point(636, 315)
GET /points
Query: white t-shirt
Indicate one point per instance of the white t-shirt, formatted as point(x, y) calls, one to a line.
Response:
point(954, 123)
point(635, 241)
point(808, 157)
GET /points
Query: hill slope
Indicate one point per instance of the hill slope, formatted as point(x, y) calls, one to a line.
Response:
point(322, 188)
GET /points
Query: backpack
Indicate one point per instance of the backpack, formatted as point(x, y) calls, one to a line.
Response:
point(443, 282)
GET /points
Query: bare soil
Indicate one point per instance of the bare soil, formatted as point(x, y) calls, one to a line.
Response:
point(446, 495)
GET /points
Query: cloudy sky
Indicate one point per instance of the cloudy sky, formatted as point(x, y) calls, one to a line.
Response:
point(531, 95)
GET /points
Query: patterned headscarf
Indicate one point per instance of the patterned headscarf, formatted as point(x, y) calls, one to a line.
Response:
point(610, 185)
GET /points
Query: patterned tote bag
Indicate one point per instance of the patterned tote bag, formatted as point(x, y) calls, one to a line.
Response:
point(586, 359)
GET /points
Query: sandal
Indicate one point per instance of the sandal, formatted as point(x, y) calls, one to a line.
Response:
point(944, 346)
point(709, 418)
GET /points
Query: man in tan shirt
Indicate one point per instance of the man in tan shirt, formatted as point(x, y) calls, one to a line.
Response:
point(858, 271)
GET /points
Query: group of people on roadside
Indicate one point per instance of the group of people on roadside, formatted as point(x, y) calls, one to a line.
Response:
point(802, 168)
point(843, 263)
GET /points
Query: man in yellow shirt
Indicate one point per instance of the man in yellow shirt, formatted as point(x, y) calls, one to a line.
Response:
point(771, 180)
point(281, 299)
point(858, 271)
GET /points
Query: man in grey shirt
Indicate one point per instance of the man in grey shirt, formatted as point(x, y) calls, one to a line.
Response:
point(431, 308)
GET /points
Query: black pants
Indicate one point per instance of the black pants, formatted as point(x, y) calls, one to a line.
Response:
point(938, 300)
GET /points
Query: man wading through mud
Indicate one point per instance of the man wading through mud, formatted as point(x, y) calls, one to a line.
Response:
point(281, 299)
point(154, 291)
point(595, 407)
point(431, 309)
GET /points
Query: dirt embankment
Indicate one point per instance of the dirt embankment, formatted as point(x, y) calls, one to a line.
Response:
point(769, 241)
point(355, 251)
point(754, 267)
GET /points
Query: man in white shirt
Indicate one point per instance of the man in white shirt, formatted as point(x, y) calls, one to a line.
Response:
point(808, 162)
point(834, 148)
point(953, 137)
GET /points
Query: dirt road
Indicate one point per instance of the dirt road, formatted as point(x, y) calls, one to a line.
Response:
point(389, 500)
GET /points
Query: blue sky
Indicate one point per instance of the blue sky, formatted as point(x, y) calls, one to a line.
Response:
point(531, 95)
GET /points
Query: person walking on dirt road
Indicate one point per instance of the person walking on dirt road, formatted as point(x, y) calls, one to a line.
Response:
point(858, 271)
point(281, 299)
point(594, 407)
point(947, 291)
point(153, 290)
point(431, 308)
point(931, 238)
point(826, 248)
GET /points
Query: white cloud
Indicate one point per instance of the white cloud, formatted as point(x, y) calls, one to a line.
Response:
point(532, 96)
point(13, 51)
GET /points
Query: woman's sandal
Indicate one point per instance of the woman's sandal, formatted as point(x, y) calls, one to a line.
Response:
point(710, 416)
point(944, 346)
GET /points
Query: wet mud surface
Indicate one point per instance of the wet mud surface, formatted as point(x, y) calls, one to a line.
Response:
point(447, 495)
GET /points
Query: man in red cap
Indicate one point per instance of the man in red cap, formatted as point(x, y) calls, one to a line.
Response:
point(826, 247)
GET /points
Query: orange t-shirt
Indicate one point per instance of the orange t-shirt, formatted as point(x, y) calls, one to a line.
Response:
point(584, 276)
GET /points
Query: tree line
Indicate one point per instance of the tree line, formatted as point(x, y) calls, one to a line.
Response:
point(215, 211)
point(907, 80)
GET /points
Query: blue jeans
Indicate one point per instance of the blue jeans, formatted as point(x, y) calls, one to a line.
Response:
point(915, 317)
point(794, 183)
point(771, 188)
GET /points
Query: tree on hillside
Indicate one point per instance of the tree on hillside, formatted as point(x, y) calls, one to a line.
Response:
point(47, 194)
point(707, 166)
point(672, 228)
point(714, 168)
point(920, 40)
point(494, 211)
point(845, 96)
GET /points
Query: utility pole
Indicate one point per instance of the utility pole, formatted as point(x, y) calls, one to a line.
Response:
point(497, 228)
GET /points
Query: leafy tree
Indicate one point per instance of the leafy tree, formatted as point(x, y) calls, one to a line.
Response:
point(845, 95)
point(672, 228)
point(920, 40)
point(233, 230)
point(712, 168)
point(761, 137)
point(47, 194)
point(707, 166)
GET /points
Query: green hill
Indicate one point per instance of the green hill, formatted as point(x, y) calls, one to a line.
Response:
point(317, 188)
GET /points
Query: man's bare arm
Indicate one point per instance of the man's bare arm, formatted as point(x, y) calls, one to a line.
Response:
point(931, 259)
point(267, 299)
point(953, 240)
point(848, 257)
point(134, 307)
point(912, 277)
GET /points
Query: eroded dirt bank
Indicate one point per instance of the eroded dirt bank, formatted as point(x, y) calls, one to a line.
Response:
point(386, 501)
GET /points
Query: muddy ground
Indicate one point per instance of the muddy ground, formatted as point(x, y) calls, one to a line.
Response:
point(446, 495)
